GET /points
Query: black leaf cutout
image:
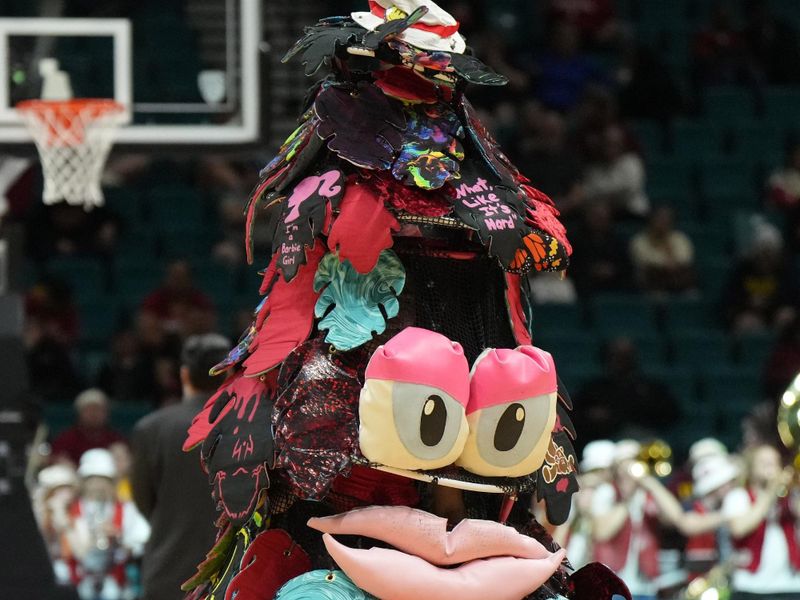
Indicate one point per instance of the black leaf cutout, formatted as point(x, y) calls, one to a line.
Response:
point(392, 28)
point(557, 478)
point(493, 210)
point(321, 42)
point(363, 127)
point(473, 70)
point(487, 146)
point(303, 217)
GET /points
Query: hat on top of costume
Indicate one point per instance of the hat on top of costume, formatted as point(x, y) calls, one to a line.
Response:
point(91, 396)
point(598, 454)
point(437, 30)
point(502, 375)
point(423, 357)
point(713, 472)
point(97, 462)
point(706, 447)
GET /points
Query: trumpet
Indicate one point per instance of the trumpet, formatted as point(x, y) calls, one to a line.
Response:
point(789, 431)
point(654, 458)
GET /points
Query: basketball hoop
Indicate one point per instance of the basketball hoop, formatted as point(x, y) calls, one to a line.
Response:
point(73, 138)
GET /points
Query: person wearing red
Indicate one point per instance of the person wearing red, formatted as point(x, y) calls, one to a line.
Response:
point(763, 525)
point(178, 305)
point(625, 521)
point(90, 431)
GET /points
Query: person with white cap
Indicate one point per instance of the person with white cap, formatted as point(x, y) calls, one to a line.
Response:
point(625, 520)
point(576, 534)
point(56, 491)
point(104, 534)
point(763, 521)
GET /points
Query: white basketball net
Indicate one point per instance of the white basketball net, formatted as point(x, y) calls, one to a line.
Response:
point(73, 139)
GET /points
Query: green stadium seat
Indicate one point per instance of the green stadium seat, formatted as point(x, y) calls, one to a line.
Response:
point(725, 105)
point(126, 204)
point(781, 106)
point(731, 388)
point(217, 281)
point(699, 350)
point(759, 142)
point(185, 243)
point(669, 177)
point(175, 207)
point(682, 383)
point(86, 276)
point(727, 178)
point(714, 275)
point(579, 348)
point(623, 314)
point(98, 320)
point(91, 363)
point(58, 416)
point(650, 136)
point(753, 349)
point(556, 318)
point(689, 313)
point(133, 280)
point(696, 139)
point(124, 415)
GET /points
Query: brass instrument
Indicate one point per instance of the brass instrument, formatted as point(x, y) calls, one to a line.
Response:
point(789, 427)
point(656, 458)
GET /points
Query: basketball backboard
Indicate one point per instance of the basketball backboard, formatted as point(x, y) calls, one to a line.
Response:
point(188, 72)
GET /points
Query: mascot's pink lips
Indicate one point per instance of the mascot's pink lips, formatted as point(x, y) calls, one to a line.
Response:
point(495, 561)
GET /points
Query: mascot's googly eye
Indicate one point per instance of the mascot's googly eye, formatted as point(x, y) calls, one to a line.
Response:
point(412, 406)
point(511, 412)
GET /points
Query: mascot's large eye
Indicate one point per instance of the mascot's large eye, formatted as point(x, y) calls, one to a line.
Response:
point(511, 412)
point(409, 425)
point(509, 440)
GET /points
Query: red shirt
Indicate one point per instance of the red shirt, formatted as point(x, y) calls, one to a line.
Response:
point(73, 442)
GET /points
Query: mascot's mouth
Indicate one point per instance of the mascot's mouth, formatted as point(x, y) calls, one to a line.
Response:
point(477, 559)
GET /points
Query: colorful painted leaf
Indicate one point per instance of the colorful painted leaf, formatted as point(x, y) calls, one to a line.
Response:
point(363, 127)
point(363, 228)
point(215, 560)
point(352, 306)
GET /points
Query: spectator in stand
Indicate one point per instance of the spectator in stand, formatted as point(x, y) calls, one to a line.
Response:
point(543, 154)
point(67, 230)
point(783, 189)
point(51, 329)
point(783, 364)
point(129, 374)
point(623, 400)
point(719, 53)
point(647, 89)
point(595, 19)
point(662, 256)
point(563, 72)
point(91, 429)
point(763, 521)
point(164, 476)
point(772, 44)
point(178, 305)
point(599, 259)
point(760, 294)
point(625, 525)
point(617, 176)
point(105, 534)
point(56, 491)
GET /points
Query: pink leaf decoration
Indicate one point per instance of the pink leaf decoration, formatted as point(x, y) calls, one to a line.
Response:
point(286, 317)
point(363, 228)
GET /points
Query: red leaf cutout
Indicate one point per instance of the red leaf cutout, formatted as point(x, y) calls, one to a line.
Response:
point(519, 324)
point(363, 228)
point(287, 316)
point(542, 213)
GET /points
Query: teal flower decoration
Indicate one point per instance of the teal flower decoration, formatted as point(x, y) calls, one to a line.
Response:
point(357, 298)
point(324, 585)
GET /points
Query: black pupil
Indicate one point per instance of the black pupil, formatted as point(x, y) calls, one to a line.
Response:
point(509, 428)
point(433, 420)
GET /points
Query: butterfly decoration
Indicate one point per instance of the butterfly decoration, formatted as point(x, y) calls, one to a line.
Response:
point(353, 306)
point(303, 216)
point(315, 416)
point(542, 213)
point(363, 228)
point(362, 126)
point(431, 150)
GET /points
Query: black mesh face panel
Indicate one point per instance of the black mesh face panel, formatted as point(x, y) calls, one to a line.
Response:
point(463, 300)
